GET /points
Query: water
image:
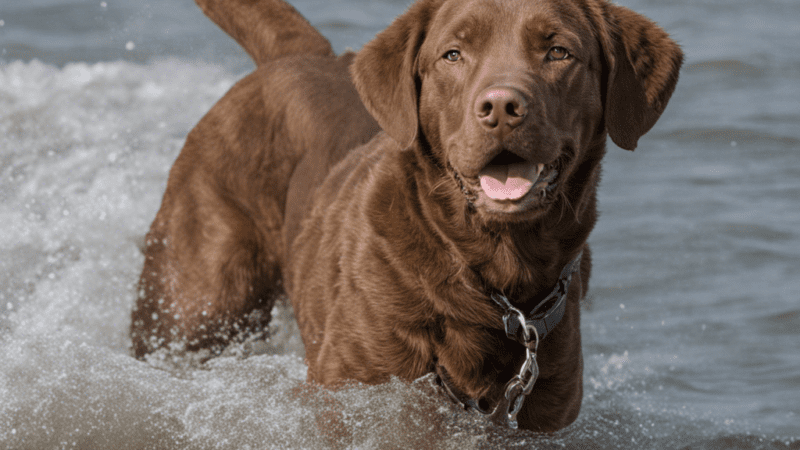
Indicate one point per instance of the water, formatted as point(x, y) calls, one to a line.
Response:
point(691, 330)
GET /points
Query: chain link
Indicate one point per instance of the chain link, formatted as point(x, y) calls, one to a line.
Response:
point(521, 385)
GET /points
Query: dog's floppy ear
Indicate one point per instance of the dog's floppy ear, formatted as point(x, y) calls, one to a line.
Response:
point(385, 72)
point(643, 63)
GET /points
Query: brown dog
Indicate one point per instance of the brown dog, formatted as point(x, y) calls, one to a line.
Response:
point(482, 187)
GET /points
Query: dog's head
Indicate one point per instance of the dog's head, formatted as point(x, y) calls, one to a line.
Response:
point(511, 96)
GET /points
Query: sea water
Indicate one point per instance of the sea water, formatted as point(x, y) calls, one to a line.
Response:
point(691, 329)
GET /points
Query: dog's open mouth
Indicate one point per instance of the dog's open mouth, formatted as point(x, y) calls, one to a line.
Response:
point(509, 178)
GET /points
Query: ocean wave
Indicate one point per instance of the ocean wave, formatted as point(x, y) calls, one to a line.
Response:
point(730, 136)
point(725, 66)
point(742, 442)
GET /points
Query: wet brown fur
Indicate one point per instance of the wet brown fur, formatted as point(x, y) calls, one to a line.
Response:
point(389, 255)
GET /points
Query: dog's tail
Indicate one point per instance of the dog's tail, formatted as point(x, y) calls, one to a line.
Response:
point(266, 29)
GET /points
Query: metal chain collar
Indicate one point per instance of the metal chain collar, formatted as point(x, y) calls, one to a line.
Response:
point(520, 386)
point(525, 331)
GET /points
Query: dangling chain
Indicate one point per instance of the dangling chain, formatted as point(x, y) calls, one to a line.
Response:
point(521, 385)
point(524, 330)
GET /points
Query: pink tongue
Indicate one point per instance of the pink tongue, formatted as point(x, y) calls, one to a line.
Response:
point(509, 182)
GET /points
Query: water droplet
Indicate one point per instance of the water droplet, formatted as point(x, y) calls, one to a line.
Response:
point(130, 46)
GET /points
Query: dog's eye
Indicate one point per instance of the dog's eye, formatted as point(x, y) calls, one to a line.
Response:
point(557, 54)
point(452, 55)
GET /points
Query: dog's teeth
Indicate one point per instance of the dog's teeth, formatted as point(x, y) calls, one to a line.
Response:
point(539, 169)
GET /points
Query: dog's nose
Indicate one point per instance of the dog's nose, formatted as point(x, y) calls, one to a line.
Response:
point(500, 110)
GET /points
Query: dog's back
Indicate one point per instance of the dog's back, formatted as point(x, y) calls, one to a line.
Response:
point(239, 188)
